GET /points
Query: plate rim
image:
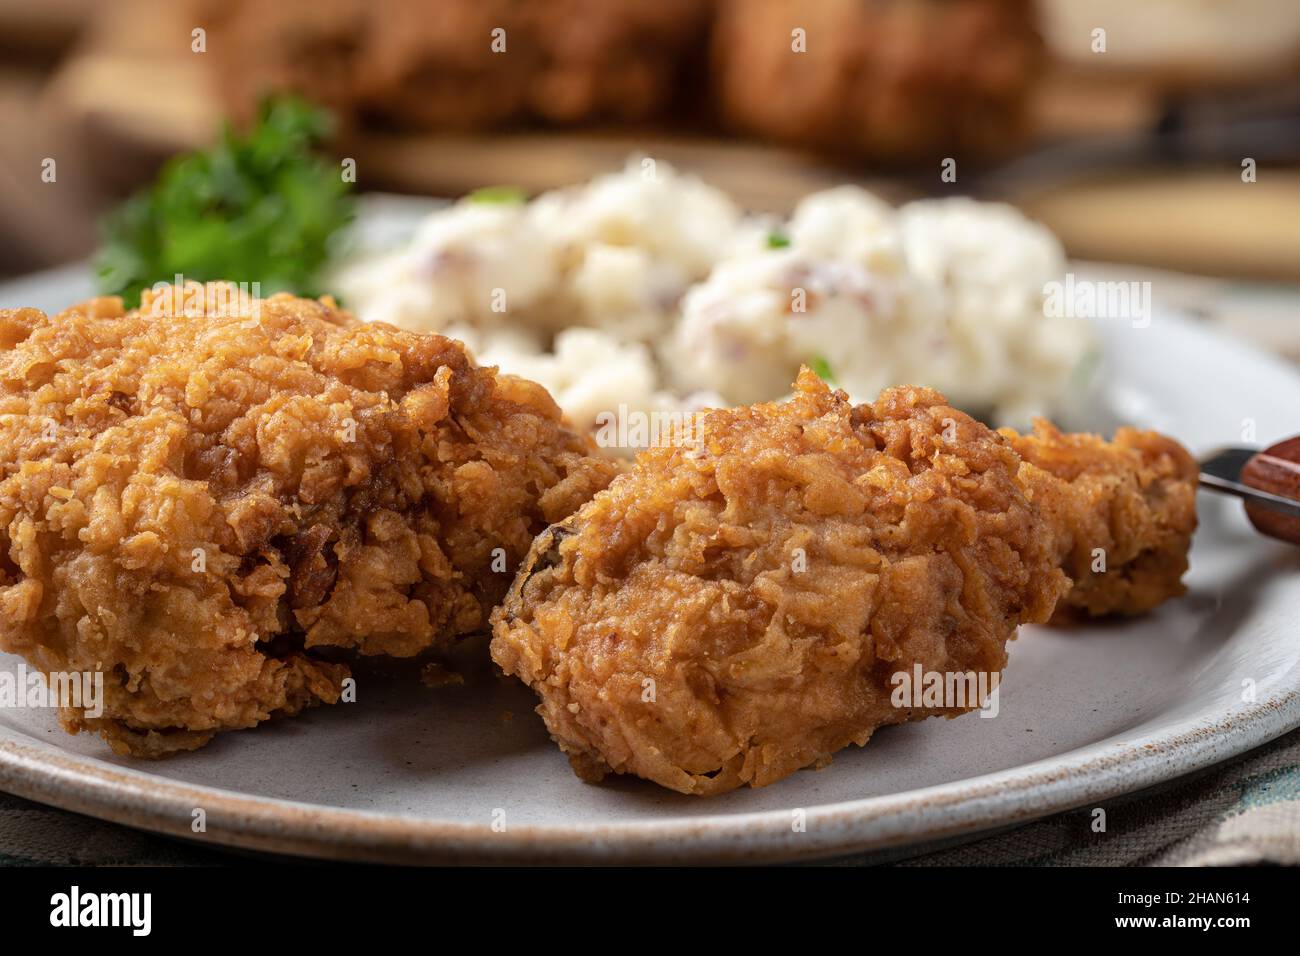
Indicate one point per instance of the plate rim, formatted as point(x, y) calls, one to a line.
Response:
point(1104, 770)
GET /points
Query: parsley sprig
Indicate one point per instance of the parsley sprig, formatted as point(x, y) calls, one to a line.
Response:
point(260, 207)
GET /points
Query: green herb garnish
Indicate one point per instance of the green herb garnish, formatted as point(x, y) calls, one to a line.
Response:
point(499, 195)
point(822, 369)
point(777, 240)
point(260, 207)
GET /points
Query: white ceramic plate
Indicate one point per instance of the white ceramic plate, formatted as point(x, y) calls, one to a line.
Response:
point(413, 774)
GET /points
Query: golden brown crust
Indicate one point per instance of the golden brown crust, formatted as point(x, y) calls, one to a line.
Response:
point(196, 498)
point(734, 608)
point(1127, 508)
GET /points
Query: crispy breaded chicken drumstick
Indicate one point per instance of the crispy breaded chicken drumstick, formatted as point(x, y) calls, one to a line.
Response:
point(737, 606)
point(200, 496)
point(734, 608)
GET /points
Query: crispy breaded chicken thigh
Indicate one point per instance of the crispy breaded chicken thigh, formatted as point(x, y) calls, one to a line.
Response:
point(736, 607)
point(209, 501)
point(1120, 513)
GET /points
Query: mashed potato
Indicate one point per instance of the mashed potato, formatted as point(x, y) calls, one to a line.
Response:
point(588, 371)
point(946, 293)
point(478, 264)
point(982, 267)
point(649, 292)
point(648, 206)
point(760, 316)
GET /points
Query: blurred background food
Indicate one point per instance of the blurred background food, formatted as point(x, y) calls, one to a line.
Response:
point(891, 82)
point(412, 65)
point(1122, 126)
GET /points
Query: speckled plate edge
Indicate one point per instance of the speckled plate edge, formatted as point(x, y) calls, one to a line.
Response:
point(44, 773)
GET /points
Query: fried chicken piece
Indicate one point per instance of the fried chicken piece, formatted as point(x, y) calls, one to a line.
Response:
point(315, 49)
point(896, 80)
point(208, 500)
point(736, 606)
point(1126, 508)
point(564, 61)
point(461, 64)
